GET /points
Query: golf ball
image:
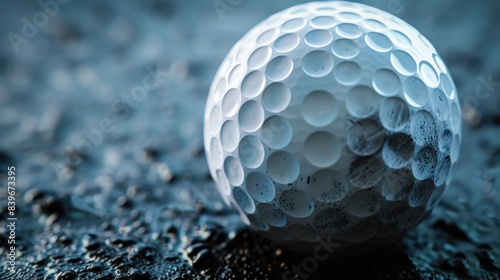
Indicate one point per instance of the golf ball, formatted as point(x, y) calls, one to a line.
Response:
point(332, 121)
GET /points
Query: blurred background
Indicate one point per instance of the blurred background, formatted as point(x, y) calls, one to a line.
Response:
point(101, 113)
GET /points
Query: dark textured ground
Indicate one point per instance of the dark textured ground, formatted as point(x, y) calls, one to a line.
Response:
point(140, 203)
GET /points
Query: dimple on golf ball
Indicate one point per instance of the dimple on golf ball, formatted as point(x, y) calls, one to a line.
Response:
point(332, 120)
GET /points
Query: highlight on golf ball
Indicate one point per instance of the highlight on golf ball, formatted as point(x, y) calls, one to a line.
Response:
point(332, 120)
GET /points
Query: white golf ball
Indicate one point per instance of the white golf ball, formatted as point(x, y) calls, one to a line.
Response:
point(332, 120)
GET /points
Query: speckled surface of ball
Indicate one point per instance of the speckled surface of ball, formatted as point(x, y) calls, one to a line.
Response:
point(333, 121)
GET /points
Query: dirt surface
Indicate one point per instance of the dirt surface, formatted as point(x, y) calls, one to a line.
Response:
point(112, 181)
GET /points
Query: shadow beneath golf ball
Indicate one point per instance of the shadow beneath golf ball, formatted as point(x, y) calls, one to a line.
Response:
point(322, 265)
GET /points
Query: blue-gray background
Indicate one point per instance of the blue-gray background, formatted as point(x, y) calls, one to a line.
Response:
point(74, 74)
